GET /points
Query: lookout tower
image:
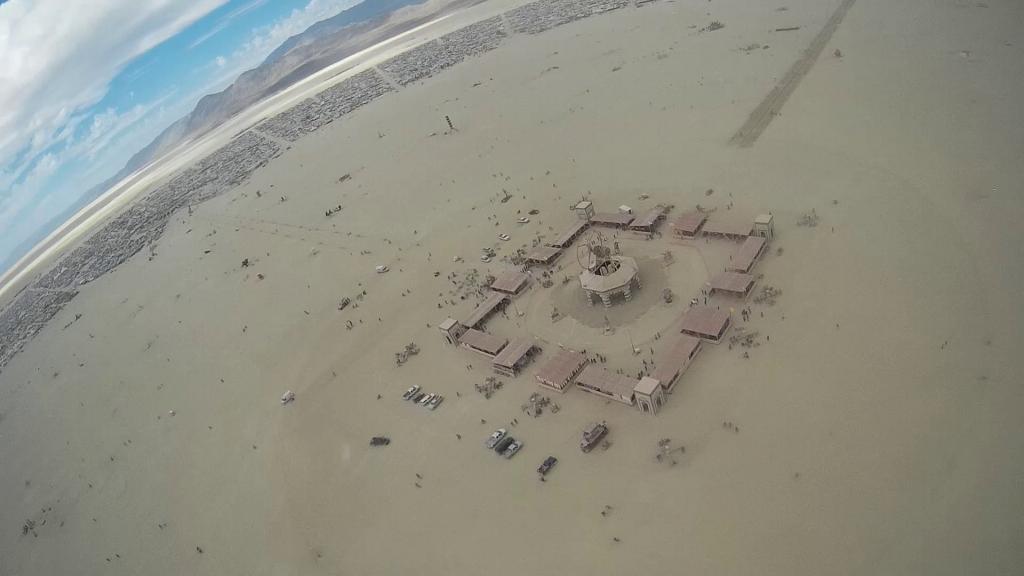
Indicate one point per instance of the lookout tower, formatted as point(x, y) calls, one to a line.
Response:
point(764, 226)
point(584, 210)
point(452, 330)
point(649, 395)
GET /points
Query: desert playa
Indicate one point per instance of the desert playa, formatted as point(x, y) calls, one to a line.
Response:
point(860, 415)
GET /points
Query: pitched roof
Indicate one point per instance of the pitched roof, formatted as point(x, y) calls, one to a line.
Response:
point(704, 320)
point(611, 218)
point(613, 383)
point(483, 341)
point(514, 352)
point(485, 308)
point(689, 223)
point(747, 254)
point(569, 235)
point(543, 254)
point(737, 282)
point(669, 362)
point(561, 367)
point(510, 282)
point(728, 228)
point(650, 218)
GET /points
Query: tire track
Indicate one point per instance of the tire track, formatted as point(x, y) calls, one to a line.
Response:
point(759, 119)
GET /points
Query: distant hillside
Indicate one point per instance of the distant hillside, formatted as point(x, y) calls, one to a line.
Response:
point(367, 10)
point(320, 45)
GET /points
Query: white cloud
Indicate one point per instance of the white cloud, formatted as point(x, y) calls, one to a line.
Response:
point(100, 149)
point(23, 194)
point(107, 126)
point(57, 58)
point(226, 20)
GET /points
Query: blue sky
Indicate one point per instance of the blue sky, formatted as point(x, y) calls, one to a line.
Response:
point(85, 84)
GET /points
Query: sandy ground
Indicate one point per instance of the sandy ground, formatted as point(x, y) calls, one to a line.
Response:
point(879, 428)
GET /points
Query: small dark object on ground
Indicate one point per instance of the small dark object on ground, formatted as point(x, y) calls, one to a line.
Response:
point(546, 466)
point(667, 295)
point(809, 219)
point(380, 441)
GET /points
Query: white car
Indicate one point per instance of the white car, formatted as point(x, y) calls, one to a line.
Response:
point(504, 237)
point(381, 269)
point(523, 220)
point(485, 258)
point(436, 402)
point(495, 437)
point(410, 392)
point(426, 399)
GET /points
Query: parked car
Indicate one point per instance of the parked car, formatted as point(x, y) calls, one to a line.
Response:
point(523, 220)
point(436, 402)
point(381, 269)
point(592, 435)
point(495, 437)
point(418, 397)
point(503, 444)
point(546, 466)
point(380, 441)
point(410, 392)
point(426, 399)
point(512, 448)
point(504, 237)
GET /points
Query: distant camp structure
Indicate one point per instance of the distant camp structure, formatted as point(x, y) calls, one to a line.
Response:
point(608, 276)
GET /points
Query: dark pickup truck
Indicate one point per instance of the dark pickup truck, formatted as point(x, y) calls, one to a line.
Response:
point(503, 444)
point(546, 466)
